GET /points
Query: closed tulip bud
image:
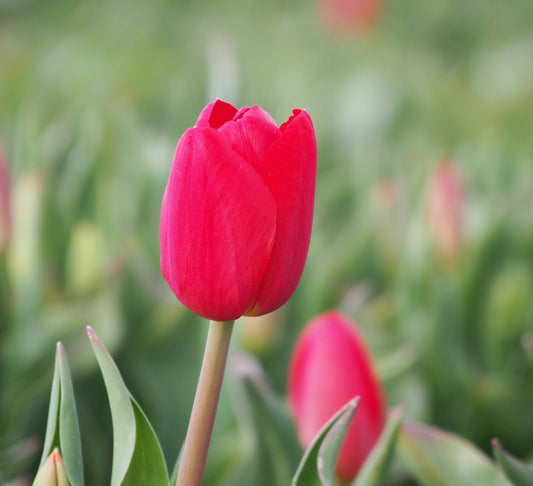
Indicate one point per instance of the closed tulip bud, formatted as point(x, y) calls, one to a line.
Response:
point(237, 211)
point(444, 210)
point(347, 17)
point(5, 203)
point(330, 366)
point(52, 472)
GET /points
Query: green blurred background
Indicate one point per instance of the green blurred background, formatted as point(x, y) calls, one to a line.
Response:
point(94, 96)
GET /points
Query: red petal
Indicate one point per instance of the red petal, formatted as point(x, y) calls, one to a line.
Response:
point(215, 114)
point(218, 223)
point(289, 171)
point(251, 133)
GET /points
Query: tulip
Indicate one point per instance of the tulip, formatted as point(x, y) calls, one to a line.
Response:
point(330, 366)
point(237, 211)
point(346, 17)
point(5, 203)
point(444, 210)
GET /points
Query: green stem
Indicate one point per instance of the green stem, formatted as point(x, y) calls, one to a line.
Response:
point(204, 409)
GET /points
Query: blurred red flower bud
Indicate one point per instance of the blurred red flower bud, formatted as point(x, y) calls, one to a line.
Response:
point(5, 203)
point(346, 17)
point(331, 365)
point(237, 211)
point(444, 210)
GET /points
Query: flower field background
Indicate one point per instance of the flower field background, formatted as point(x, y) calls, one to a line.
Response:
point(93, 98)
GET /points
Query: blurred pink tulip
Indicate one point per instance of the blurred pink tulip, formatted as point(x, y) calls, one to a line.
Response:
point(330, 366)
point(346, 17)
point(5, 203)
point(444, 210)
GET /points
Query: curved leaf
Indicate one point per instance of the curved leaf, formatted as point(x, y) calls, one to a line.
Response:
point(438, 458)
point(147, 464)
point(137, 455)
point(69, 430)
point(375, 469)
point(320, 458)
point(518, 472)
point(51, 439)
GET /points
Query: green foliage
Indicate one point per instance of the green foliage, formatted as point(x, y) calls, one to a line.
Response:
point(517, 472)
point(438, 458)
point(62, 429)
point(137, 455)
point(320, 458)
point(376, 467)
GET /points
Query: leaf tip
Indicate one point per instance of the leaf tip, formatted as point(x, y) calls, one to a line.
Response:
point(92, 336)
point(60, 349)
point(495, 443)
point(354, 402)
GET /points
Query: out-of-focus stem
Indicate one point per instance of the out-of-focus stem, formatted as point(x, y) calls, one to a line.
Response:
point(194, 454)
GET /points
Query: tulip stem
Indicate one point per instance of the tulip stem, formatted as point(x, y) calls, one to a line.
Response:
point(204, 409)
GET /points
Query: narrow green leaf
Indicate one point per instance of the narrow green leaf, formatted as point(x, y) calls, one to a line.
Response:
point(375, 469)
point(320, 458)
point(137, 455)
point(122, 414)
point(147, 464)
point(69, 430)
point(438, 458)
point(518, 472)
point(51, 438)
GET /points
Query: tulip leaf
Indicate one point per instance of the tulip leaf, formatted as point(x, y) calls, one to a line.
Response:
point(375, 469)
point(147, 464)
point(69, 430)
point(50, 438)
point(320, 458)
point(517, 472)
point(137, 455)
point(438, 458)
point(62, 429)
point(271, 454)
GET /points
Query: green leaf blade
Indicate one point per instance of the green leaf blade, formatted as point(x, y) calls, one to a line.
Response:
point(137, 455)
point(69, 430)
point(320, 458)
point(122, 414)
point(375, 469)
point(51, 439)
point(516, 471)
point(438, 458)
point(147, 464)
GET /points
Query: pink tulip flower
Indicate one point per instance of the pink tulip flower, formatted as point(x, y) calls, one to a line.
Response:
point(237, 211)
point(330, 366)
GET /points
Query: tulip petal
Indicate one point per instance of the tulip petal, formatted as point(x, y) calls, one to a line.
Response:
point(218, 223)
point(251, 133)
point(289, 171)
point(215, 114)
